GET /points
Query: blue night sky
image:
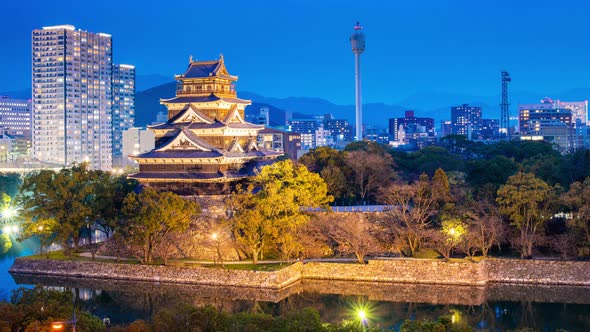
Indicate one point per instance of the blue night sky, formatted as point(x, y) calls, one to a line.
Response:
point(301, 48)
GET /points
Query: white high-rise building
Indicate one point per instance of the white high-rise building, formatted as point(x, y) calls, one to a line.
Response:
point(123, 108)
point(72, 96)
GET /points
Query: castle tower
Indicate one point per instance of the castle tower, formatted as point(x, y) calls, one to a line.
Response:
point(206, 147)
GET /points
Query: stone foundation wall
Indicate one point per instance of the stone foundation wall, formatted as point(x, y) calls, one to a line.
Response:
point(401, 271)
point(538, 271)
point(170, 274)
point(415, 271)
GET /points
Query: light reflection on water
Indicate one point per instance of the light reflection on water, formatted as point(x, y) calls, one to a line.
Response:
point(18, 249)
point(496, 306)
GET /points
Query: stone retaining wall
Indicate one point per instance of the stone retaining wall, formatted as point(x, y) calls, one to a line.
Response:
point(401, 271)
point(416, 271)
point(538, 271)
point(170, 274)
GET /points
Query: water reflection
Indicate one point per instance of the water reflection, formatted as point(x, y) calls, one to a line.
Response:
point(496, 306)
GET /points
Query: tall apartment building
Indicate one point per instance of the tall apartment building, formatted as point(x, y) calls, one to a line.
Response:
point(465, 120)
point(73, 96)
point(123, 108)
point(15, 117)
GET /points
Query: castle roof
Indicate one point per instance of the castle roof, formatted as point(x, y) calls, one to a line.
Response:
point(204, 99)
point(206, 69)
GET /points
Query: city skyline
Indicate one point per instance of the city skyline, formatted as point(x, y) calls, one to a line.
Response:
point(456, 47)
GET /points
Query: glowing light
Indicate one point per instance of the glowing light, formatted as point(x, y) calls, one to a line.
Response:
point(362, 314)
point(214, 236)
point(8, 213)
point(6, 229)
point(14, 228)
point(57, 326)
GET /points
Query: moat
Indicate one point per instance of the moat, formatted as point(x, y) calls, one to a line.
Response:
point(494, 306)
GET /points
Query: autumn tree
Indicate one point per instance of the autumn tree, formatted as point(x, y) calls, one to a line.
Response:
point(485, 227)
point(412, 207)
point(152, 216)
point(371, 171)
point(63, 196)
point(274, 207)
point(352, 234)
point(524, 199)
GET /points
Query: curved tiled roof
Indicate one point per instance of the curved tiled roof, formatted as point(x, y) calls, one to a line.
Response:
point(204, 99)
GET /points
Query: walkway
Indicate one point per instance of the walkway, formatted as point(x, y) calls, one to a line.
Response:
point(88, 255)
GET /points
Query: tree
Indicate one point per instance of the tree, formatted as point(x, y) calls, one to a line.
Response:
point(331, 165)
point(411, 212)
point(152, 216)
point(273, 208)
point(371, 171)
point(44, 229)
point(451, 234)
point(107, 206)
point(351, 234)
point(64, 196)
point(524, 199)
point(485, 227)
point(441, 189)
point(577, 201)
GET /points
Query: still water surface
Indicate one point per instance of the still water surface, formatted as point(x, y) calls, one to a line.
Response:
point(494, 307)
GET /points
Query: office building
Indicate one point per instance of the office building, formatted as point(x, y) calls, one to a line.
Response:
point(134, 142)
point(306, 128)
point(579, 110)
point(410, 120)
point(280, 141)
point(123, 108)
point(340, 128)
point(490, 129)
point(532, 118)
point(15, 117)
point(446, 128)
point(465, 120)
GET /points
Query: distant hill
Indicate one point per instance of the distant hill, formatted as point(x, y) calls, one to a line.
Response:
point(426, 104)
point(147, 103)
point(144, 82)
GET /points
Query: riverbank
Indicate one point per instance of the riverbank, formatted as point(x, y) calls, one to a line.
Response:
point(414, 271)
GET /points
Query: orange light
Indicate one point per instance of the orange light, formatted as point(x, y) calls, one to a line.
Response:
point(57, 325)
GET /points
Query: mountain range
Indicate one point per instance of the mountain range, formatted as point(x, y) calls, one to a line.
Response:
point(433, 104)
